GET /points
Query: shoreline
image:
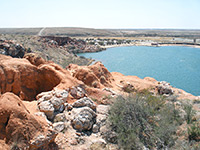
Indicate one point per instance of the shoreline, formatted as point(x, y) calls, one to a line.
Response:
point(148, 44)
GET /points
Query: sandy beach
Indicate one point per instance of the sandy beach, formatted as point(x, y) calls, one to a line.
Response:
point(147, 44)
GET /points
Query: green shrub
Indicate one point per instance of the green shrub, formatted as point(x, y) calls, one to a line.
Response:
point(143, 120)
point(185, 145)
point(194, 132)
point(189, 113)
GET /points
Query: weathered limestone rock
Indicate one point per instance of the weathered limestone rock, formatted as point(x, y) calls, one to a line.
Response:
point(83, 119)
point(84, 102)
point(47, 108)
point(52, 101)
point(164, 88)
point(102, 109)
point(59, 118)
point(42, 141)
point(95, 128)
point(77, 92)
point(59, 126)
point(101, 120)
point(68, 106)
point(102, 114)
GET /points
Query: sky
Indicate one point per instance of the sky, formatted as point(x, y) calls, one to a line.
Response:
point(177, 14)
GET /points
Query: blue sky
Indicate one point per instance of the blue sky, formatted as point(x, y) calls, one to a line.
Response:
point(184, 14)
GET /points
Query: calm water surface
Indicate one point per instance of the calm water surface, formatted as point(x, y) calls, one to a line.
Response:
point(177, 65)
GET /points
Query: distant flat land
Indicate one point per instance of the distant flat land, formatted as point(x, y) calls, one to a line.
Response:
point(90, 32)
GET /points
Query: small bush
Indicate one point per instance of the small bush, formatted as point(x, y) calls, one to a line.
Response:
point(185, 145)
point(194, 132)
point(143, 120)
point(189, 113)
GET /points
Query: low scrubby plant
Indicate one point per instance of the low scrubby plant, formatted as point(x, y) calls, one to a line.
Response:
point(189, 113)
point(143, 120)
point(194, 132)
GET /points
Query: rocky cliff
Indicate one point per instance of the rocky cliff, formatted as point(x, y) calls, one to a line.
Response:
point(43, 105)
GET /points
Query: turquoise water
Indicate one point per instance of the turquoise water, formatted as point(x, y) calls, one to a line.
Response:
point(177, 65)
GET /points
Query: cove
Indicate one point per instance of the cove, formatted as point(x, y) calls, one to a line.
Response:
point(178, 65)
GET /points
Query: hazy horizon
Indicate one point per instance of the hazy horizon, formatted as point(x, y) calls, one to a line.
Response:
point(105, 28)
point(104, 14)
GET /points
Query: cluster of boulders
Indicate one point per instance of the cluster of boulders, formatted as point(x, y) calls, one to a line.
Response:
point(55, 107)
point(52, 102)
point(82, 115)
point(11, 48)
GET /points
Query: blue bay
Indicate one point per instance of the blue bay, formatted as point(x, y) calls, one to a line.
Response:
point(177, 65)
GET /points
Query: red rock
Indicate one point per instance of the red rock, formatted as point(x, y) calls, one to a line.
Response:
point(34, 59)
point(26, 80)
point(19, 127)
point(95, 76)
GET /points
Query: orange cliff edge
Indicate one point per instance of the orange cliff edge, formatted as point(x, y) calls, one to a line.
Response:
point(21, 80)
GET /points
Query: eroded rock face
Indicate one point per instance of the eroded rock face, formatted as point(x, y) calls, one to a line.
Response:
point(94, 76)
point(18, 125)
point(26, 80)
point(84, 118)
point(51, 102)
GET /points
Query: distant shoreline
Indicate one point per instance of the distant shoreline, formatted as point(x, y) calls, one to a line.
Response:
point(148, 44)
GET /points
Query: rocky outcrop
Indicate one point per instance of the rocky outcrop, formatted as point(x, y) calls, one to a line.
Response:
point(26, 80)
point(21, 129)
point(95, 76)
point(164, 88)
point(61, 41)
point(70, 45)
point(11, 49)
